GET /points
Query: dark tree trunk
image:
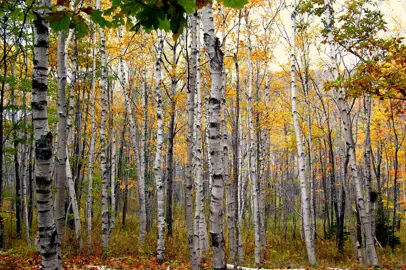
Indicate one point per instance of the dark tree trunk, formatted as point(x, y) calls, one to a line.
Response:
point(18, 186)
point(3, 85)
point(121, 165)
point(31, 182)
point(169, 179)
point(126, 176)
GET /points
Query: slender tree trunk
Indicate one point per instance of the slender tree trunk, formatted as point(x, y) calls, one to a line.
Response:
point(31, 182)
point(216, 202)
point(169, 175)
point(196, 144)
point(395, 176)
point(68, 133)
point(143, 160)
point(253, 160)
point(346, 122)
point(171, 137)
point(230, 201)
point(113, 181)
point(25, 169)
point(367, 163)
point(310, 157)
point(189, 141)
point(301, 155)
point(62, 156)
point(260, 171)
point(199, 211)
point(231, 182)
point(73, 202)
point(138, 155)
point(3, 88)
point(103, 147)
point(126, 176)
point(241, 196)
point(43, 142)
point(89, 199)
point(158, 155)
point(16, 161)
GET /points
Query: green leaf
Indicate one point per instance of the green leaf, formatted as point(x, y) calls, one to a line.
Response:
point(59, 20)
point(188, 5)
point(235, 3)
point(149, 18)
point(98, 18)
point(164, 24)
point(80, 26)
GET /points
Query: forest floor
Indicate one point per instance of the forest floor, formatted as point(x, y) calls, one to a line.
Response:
point(28, 258)
point(284, 250)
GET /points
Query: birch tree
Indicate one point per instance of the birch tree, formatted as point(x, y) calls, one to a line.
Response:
point(200, 218)
point(253, 158)
point(216, 63)
point(43, 141)
point(189, 141)
point(103, 147)
point(89, 200)
point(370, 252)
point(301, 155)
point(158, 154)
point(62, 145)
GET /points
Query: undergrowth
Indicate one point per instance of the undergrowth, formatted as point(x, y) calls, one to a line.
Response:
point(126, 252)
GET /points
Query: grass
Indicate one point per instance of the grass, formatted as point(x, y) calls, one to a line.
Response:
point(126, 252)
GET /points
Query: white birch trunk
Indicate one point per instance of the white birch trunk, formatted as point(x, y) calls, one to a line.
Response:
point(69, 120)
point(188, 172)
point(113, 182)
point(43, 142)
point(158, 155)
point(142, 161)
point(241, 196)
point(204, 242)
point(139, 156)
point(68, 134)
point(253, 159)
point(74, 202)
point(24, 173)
point(216, 147)
point(367, 164)
point(91, 150)
point(103, 147)
point(197, 151)
point(370, 251)
point(62, 156)
point(301, 155)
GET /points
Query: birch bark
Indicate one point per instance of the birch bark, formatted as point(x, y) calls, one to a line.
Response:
point(74, 201)
point(158, 154)
point(62, 156)
point(43, 141)
point(189, 141)
point(92, 147)
point(216, 148)
point(142, 160)
point(193, 126)
point(204, 244)
point(103, 147)
point(113, 182)
point(370, 251)
point(301, 155)
point(253, 159)
point(25, 170)
point(139, 155)
point(68, 133)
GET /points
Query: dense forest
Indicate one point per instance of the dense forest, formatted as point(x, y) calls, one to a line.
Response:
point(194, 134)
